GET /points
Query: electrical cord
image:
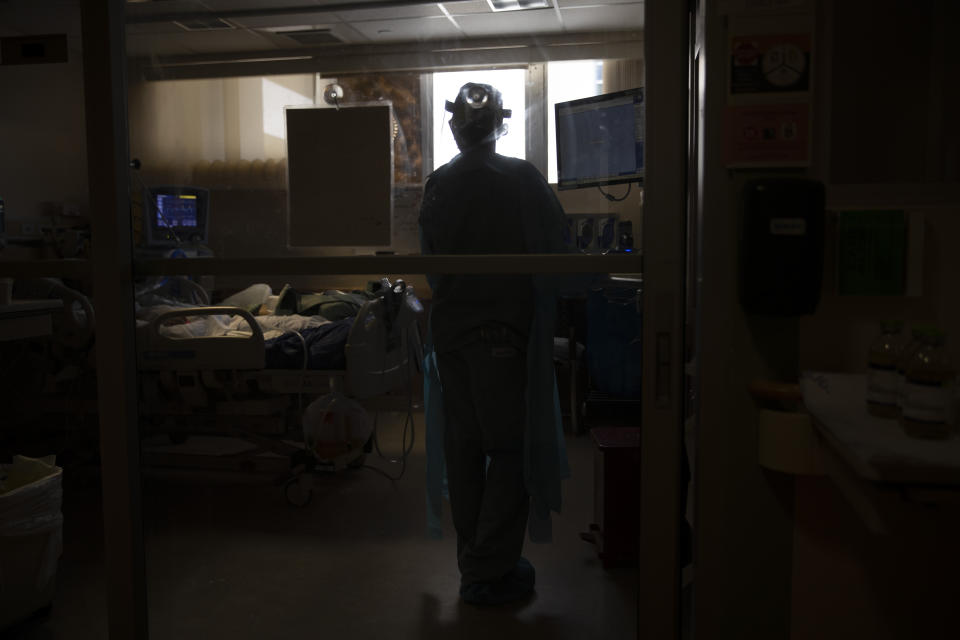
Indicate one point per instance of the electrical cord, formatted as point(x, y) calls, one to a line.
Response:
point(613, 198)
point(303, 372)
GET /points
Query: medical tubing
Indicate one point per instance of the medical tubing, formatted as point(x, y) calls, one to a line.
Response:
point(408, 424)
point(303, 372)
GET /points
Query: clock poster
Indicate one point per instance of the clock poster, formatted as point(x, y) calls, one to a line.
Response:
point(768, 103)
point(769, 64)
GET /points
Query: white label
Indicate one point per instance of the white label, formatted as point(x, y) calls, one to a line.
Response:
point(882, 386)
point(788, 226)
point(926, 403)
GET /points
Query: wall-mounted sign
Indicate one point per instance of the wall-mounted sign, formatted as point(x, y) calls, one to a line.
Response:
point(769, 63)
point(871, 252)
point(770, 135)
point(768, 99)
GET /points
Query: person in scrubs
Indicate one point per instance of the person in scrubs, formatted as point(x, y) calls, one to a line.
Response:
point(485, 331)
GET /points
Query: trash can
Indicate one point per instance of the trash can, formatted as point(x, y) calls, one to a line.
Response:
point(31, 536)
point(616, 473)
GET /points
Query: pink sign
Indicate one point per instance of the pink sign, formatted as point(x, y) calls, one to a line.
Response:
point(768, 135)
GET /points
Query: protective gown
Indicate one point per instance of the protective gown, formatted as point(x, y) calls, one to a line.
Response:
point(537, 228)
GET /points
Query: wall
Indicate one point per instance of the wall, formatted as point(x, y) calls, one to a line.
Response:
point(743, 514)
point(779, 556)
point(847, 580)
point(176, 126)
point(42, 126)
point(838, 335)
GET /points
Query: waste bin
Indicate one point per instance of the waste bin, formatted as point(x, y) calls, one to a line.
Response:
point(31, 536)
point(616, 484)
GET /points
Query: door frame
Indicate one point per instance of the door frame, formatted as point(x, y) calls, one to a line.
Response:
point(666, 55)
point(667, 60)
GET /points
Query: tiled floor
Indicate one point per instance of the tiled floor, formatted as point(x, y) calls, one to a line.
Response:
point(228, 558)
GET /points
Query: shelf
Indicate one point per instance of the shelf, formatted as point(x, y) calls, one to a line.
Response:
point(876, 449)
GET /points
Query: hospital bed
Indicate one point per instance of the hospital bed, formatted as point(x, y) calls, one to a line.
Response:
point(199, 385)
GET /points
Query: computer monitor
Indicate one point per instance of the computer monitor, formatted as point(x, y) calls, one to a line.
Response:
point(175, 216)
point(600, 140)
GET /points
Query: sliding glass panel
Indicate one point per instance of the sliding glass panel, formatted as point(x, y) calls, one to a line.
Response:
point(287, 268)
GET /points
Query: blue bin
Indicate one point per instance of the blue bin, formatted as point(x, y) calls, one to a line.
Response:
point(615, 337)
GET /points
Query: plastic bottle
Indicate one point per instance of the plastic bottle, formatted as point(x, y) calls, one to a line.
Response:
point(882, 382)
point(928, 389)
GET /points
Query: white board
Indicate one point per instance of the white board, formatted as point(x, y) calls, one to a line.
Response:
point(340, 176)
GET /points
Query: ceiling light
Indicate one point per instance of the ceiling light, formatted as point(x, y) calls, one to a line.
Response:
point(517, 5)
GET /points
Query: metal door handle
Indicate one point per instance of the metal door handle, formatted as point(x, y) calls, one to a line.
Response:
point(662, 382)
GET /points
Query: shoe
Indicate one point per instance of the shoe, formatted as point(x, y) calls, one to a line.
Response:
point(513, 587)
point(524, 573)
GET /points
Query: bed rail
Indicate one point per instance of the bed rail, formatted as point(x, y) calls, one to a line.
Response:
point(157, 352)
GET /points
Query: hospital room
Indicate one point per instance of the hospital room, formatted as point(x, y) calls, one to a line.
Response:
point(530, 318)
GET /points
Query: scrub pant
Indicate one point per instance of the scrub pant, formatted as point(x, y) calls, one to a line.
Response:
point(484, 386)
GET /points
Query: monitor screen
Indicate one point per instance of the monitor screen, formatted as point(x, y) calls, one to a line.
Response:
point(177, 210)
point(175, 215)
point(600, 140)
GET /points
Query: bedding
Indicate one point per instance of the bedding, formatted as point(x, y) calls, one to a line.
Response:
point(324, 347)
point(307, 338)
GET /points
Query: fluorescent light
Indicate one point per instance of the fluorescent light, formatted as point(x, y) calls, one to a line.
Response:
point(517, 5)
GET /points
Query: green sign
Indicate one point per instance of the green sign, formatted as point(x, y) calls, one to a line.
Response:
point(871, 253)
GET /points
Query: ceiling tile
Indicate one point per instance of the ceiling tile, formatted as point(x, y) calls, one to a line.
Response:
point(287, 20)
point(197, 42)
point(607, 17)
point(349, 33)
point(242, 5)
point(134, 30)
point(140, 9)
point(467, 7)
point(392, 13)
point(406, 30)
point(340, 32)
point(510, 23)
point(564, 4)
point(152, 44)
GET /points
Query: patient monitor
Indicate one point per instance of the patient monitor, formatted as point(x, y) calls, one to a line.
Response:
point(174, 216)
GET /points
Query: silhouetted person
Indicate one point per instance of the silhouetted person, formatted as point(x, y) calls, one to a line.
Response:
point(489, 334)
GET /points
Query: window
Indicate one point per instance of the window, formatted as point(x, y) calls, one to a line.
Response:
point(510, 82)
